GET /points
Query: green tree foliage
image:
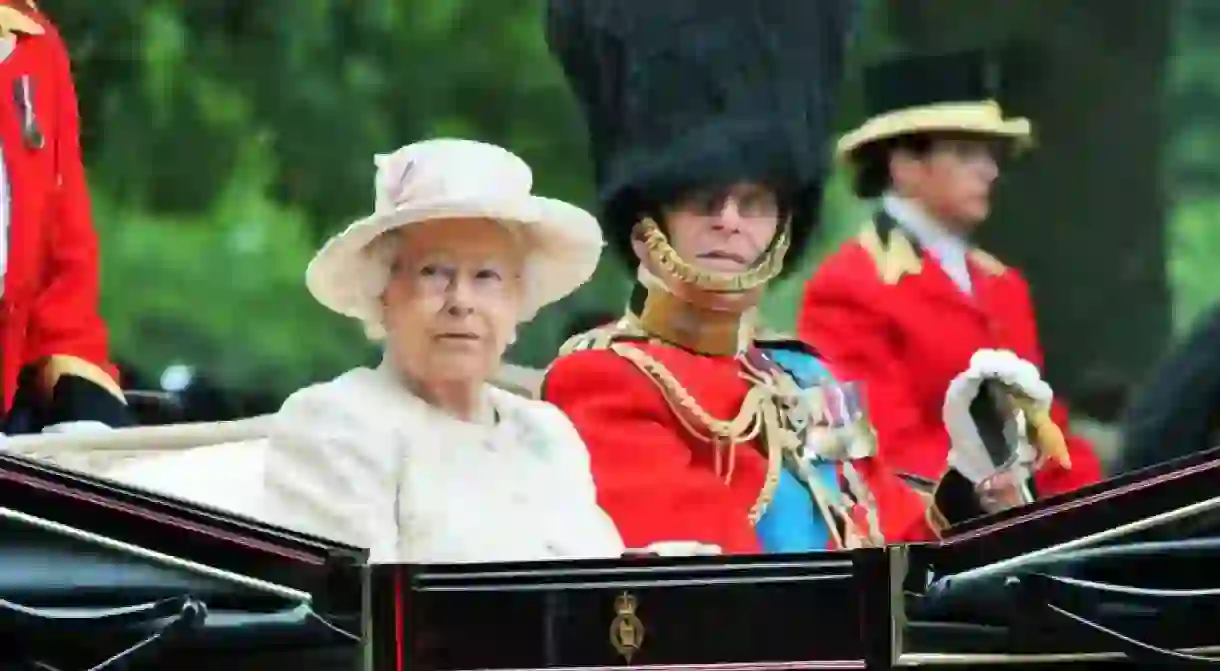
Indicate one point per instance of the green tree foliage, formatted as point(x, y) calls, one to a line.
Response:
point(226, 138)
point(1193, 170)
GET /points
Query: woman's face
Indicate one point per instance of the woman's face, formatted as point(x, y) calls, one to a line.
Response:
point(453, 299)
point(724, 230)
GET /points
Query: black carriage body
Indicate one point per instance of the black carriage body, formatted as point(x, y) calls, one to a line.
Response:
point(1118, 574)
point(98, 576)
point(1121, 572)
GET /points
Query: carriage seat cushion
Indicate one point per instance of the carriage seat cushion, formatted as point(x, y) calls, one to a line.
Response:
point(227, 476)
point(99, 453)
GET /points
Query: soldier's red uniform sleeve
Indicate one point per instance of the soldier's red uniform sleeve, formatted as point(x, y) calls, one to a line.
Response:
point(1086, 468)
point(641, 462)
point(65, 319)
point(67, 338)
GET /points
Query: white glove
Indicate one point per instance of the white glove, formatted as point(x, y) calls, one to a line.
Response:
point(85, 426)
point(678, 549)
point(967, 452)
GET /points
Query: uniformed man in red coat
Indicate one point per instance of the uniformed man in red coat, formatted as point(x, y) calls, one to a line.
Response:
point(906, 304)
point(54, 368)
point(706, 119)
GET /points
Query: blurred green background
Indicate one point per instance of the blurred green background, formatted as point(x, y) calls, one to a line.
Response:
point(226, 138)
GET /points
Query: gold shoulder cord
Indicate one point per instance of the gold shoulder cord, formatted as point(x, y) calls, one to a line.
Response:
point(894, 258)
point(760, 415)
point(723, 435)
point(794, 400)
point(598, 338)
point(864, 496)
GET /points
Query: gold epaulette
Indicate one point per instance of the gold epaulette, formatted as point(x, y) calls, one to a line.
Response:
point(13, 20)
point(603, 337)
point(894, 257)
point(897, 256)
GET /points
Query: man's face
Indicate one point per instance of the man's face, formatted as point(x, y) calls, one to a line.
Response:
point(723, 230)
point(952, 180)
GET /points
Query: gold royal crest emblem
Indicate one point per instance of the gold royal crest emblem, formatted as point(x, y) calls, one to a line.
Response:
point(626, 631)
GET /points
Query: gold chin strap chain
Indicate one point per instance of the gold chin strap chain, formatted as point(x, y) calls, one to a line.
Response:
point(672, 267)
point(763, 414)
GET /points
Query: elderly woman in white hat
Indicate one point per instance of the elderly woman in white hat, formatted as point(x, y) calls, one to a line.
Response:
point(421, 459)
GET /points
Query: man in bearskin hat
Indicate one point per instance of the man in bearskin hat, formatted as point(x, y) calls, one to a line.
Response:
point(54, 366)
point(907, 304)
point(708, 120)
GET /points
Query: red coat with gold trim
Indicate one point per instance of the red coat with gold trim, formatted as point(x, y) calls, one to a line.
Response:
point(657, 481)
point(53, 343)
point(883, 311)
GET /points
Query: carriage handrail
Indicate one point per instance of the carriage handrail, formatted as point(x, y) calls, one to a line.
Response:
point(161, 438)
point(1024, 562)
point(163, 559)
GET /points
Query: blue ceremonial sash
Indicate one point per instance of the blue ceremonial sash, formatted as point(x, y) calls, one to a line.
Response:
point(792, 523)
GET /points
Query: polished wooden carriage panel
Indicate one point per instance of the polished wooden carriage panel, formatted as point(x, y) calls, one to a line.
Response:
point(809, 611)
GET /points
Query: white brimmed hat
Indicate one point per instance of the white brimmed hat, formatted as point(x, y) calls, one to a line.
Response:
point(451, 178)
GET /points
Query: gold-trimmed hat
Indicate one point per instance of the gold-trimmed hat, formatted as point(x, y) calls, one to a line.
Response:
point(951, 93)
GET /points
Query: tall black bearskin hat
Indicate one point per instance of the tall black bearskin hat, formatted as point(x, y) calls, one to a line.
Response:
point(679, 94)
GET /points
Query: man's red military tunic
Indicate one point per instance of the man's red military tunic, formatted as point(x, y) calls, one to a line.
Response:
point(698, 428)
point(882, 311)
point(50, 330)
point(660, 482)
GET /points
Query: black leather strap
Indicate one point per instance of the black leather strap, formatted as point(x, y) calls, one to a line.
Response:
point(956, 499)
point(43, 632)
point(73, 399)
point(15, 616)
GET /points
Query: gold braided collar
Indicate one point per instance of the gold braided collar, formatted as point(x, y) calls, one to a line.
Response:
point(664, 316)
